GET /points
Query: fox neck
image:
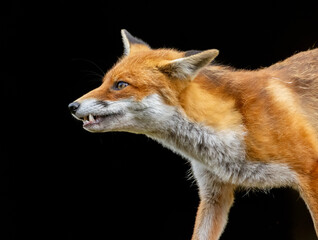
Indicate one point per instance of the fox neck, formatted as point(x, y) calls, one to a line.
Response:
point(221, 152)
point(218, 147)
point(195, 141)
point(206, 124)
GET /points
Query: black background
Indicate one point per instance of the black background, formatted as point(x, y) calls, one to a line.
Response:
point(59, 182)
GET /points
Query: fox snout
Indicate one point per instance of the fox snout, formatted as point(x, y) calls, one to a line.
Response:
point(95, 114)
point(128, 115)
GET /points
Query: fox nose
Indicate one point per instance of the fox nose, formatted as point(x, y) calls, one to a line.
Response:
point(73, 107)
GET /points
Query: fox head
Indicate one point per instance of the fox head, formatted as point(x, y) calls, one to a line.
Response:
point(142, 91)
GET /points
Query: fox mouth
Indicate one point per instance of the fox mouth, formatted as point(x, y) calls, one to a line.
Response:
point(91, 120)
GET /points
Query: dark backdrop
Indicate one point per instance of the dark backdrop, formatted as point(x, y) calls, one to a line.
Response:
point(59, 182)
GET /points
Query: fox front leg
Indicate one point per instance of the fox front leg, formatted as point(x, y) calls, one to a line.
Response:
point(216, 200)
point(308, 184)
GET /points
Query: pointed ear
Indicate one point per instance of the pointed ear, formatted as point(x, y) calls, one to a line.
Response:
point(131, 42)
point(188, 67)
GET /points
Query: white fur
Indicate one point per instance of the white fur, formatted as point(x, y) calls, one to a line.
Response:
point(144, 116)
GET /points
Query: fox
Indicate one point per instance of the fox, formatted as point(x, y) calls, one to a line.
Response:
point(250, 129)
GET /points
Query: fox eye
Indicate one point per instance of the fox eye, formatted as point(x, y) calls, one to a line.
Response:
point(120, 85)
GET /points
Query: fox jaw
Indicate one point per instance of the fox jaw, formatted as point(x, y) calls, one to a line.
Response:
point(140, 93)
point(127, 114)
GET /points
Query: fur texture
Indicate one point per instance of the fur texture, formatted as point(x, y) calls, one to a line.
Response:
point(237, 128)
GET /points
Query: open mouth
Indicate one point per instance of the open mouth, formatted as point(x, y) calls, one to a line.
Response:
point(91, 120)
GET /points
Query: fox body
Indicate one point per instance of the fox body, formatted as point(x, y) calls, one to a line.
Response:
point(238, 128)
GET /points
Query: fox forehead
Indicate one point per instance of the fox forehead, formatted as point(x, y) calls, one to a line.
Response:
point(137, 63)
point(139, 70)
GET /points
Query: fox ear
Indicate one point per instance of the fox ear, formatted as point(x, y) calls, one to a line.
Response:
point(189, 66)
point(131, 43)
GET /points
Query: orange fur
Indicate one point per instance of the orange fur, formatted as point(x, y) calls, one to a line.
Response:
point(137, 70)
point(216, 109)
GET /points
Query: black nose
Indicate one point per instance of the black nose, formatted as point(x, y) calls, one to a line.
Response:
point(73, 107)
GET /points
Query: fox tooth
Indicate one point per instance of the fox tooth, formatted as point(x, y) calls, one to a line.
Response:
point(91, 118)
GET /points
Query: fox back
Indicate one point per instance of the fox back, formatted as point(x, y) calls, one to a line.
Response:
point(237, 128)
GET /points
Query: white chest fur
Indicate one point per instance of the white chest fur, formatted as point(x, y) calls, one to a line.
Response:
point(222, 153)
